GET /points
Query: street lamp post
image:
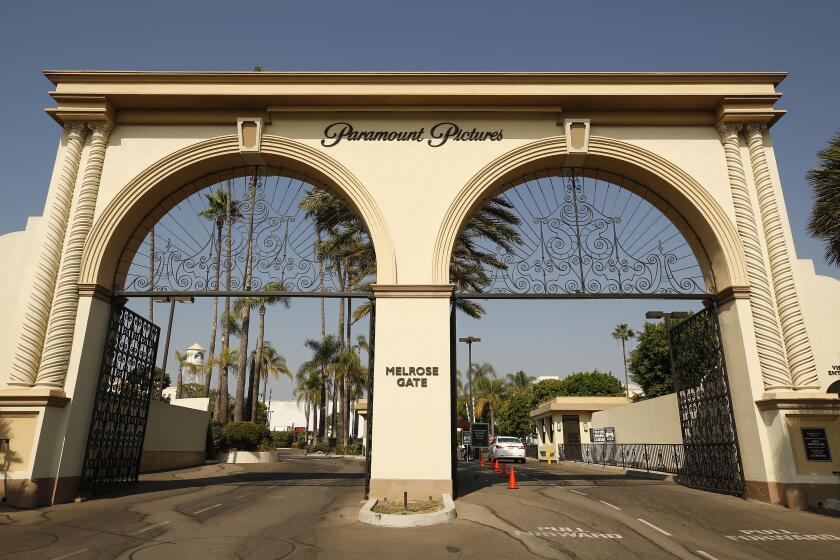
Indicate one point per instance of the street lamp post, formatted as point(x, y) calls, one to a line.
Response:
point(469, 340)
point(172, 301)
point(667, 316)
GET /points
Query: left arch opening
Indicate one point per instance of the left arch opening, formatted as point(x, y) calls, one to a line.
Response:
point(272, 218)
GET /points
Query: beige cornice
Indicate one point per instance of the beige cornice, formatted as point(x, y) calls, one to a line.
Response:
point(732, 293)
point(33, 397)
point(95, 291)
point(412, 290)
point(647, 98)
point(798, 400)
point(749, 109)
point(104, 76)
point(81, 107)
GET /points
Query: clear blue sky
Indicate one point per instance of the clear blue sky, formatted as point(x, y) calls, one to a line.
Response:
point(431, 35)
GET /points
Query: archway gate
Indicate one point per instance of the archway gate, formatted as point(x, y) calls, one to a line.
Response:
point(577, 233)
point(276, 226)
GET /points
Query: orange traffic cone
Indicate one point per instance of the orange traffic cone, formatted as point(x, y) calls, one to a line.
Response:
point(496, 464)
point(512, 480)
point(504, 471)
point(482, 461)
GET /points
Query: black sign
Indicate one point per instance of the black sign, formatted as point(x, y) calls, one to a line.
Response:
point(816, 444)
point(598, 435)
point(480, 435)
point(438, 134)
point(609, 434)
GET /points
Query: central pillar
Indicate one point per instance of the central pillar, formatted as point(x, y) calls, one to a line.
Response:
point(411, 437)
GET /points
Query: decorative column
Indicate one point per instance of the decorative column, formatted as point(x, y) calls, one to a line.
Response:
point(31, 342)
point(62, 323)
point(771, 352)
point(800, 359)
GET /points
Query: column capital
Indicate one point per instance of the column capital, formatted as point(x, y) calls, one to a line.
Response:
point(728, 130)
point(755, 128)
point(102, 127)
point(76, 128)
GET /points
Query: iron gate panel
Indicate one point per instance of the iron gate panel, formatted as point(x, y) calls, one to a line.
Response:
point(121, 405)
point(712, 459)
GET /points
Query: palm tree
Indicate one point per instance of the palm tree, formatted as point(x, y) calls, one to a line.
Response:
point(351, 376)
point(624, 333)
point(227, 357)
point(491, 392)
point(246, 310)
point(261, 303)
point(273, 364)
point(519, 381)
point(825, 217)
point(183, 364)
point(324, 356)
point(216, 212)
point(307, 389)
point(232, 214)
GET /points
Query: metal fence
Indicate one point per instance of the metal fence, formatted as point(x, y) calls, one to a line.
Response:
point(659, 457)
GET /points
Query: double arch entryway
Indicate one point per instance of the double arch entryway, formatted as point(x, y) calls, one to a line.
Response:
point(588, 229)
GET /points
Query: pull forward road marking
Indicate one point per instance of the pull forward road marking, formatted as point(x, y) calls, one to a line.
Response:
point(206, 509)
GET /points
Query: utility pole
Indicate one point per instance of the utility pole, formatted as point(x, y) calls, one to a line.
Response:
point(470, 340)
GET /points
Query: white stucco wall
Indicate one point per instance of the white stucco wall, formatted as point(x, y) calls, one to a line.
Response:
point(175, 428)
point(649, 421)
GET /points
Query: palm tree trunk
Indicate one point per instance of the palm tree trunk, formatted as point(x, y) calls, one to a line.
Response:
point(249, 399)
point(223, 371)
point(322, 412)
point(246, 312)
point(212, 350)
point(152, 274)
point(257, 372)
point(626, 384)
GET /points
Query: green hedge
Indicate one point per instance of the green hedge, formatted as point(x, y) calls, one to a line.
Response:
point(246, 436)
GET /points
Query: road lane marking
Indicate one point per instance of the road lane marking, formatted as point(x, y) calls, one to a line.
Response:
point(244, 496)
point(609, 504)
point(706, 555)
point(150, 527)
point(651, 525)
point(71, 554)
point(206, 509)
point(576, 492)
point(270, 487)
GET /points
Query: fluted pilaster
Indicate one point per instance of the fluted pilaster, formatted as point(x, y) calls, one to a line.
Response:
point(62, 322)
point(771, 353)
point(31, 342)
point(800, 359)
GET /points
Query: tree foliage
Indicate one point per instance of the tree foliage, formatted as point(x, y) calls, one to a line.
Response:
point(590, 384)
point(825, 217)
point(650, 362)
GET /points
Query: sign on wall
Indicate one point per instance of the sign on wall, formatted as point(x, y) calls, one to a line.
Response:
point(598, 435)
point(437, 135)
point(609, 434)
point(480, 435)
point(412, 376)
point(816, 444)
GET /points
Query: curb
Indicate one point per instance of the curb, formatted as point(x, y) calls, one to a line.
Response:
point(445, 515)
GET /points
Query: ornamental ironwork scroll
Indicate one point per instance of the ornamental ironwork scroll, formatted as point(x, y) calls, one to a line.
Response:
point(712, 458)
point(582, 233)
point(121, 404)
point(184, 249)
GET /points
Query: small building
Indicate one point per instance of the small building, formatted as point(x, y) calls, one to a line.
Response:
point(568, 420)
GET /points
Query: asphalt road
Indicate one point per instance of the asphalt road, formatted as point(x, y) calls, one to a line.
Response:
point(306, 507)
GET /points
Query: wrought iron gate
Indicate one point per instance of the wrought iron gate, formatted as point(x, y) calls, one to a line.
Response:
point(121, 405)
point(712, 458)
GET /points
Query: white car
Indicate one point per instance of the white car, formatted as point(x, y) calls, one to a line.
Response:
point(506, 447)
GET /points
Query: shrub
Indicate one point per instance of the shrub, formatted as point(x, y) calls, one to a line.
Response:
point(301, 443)
point(215, 439)
point(282, 439)
point(353, 447)
point(246, 436)
point(322, 447)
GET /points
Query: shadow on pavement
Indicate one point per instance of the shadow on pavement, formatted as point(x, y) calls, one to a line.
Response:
point(148, 484)
point(472, 478)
